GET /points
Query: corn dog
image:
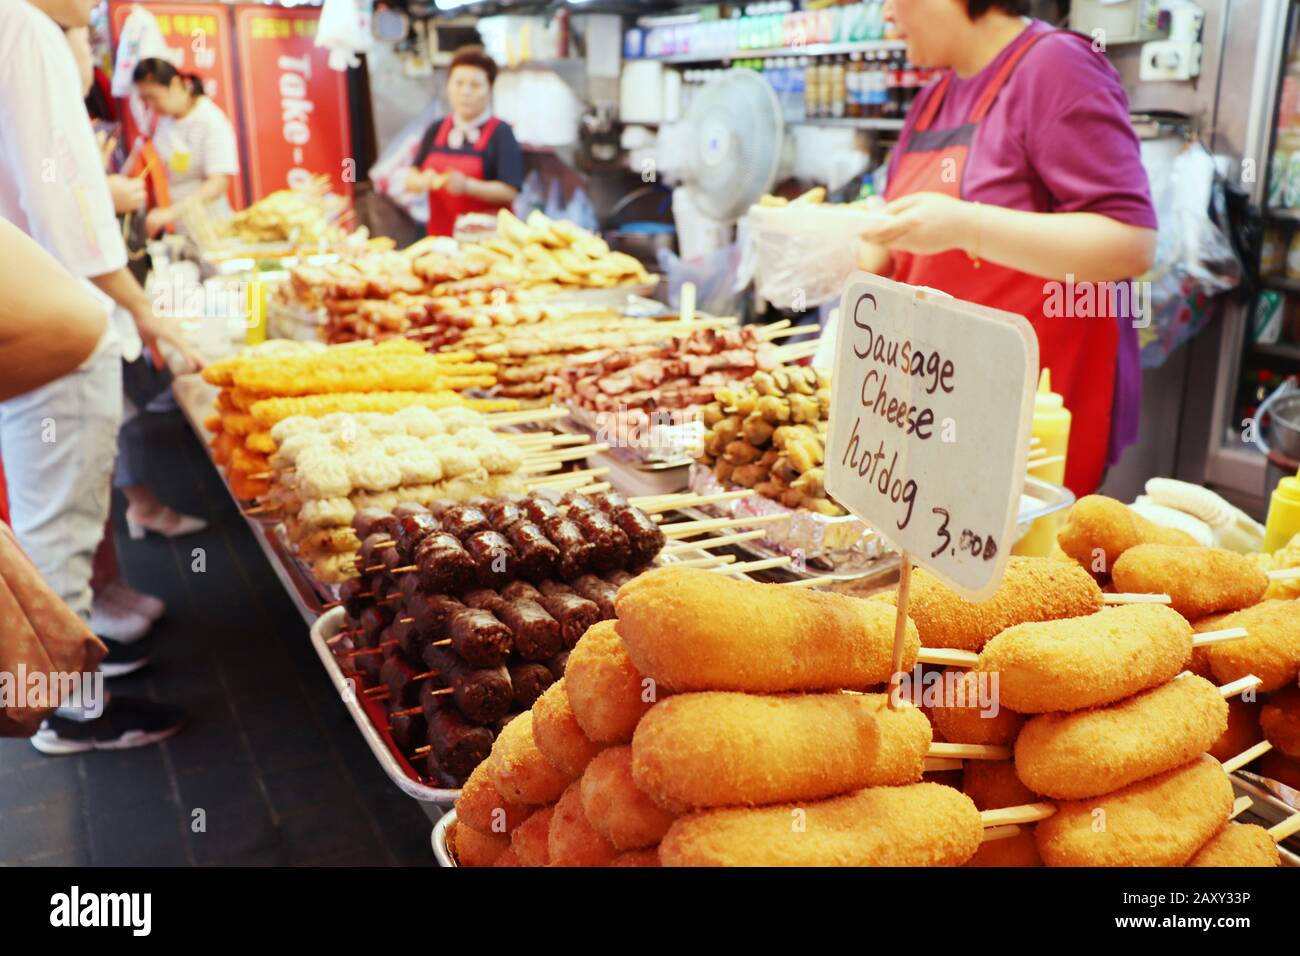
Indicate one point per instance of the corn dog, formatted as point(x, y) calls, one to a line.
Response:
point(970, 723)
point(616, 807)
point(606, 692)
point(1160, 821)
point(648, 857)
point(691, 629)
point(1099, 529)
point(1033, 589)
point(1086, 661)
point(992, 785)
point(508, 857)
point(717, 749)
point(1238, 844)
point(481, 806)
point(924, 824)
point(531, 839)
point(1243, 730)
point(557, 734)
point(1279, 719)
point(1090, 752)
point(1271, 651)
point(471, 848)
point(517, 768)
point(1199, 581)
point(572, 840)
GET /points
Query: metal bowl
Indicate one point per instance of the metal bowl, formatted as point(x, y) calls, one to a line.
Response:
point(1284, 429)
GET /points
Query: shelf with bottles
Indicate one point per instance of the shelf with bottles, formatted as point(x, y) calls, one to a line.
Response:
point(863, 90)
point(766, 29)
point(1275, 321)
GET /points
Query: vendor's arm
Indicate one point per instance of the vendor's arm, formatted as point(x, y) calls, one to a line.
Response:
point(213, 187)
point(485, 190)
point(120, 286)
point(1088, 246)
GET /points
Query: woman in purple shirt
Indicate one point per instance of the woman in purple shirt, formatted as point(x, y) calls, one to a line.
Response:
point(1017, 183)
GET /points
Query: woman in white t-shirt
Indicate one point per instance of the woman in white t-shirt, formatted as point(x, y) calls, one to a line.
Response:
point(194, 140)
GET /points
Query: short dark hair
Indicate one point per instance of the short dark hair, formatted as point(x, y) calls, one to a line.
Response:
point(1016, 8)
point(475, 56)
point(155, 70)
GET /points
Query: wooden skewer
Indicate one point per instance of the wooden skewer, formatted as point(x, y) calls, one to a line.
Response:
point(775, 327)
point(935, 764)
point(1043, 462)
point(1239, 686)
point(580, 476)
point(1000, 833)
point(1136, 599)
point(366, 651)
point(259, 510)
point(1285, 574)
point(969, 751)
point(1025, 813)
point(376, 692)
point(597, 488)
point(709, 561)
point(536, 467)
point(527, 417)
point(1240, 806)
point(745, 567)
point(947, 657)
point(791, 331)
point(1288, 827)
point(800, 350)
point(408, 712)
point(572, 454)
point(1219, 637)
point(694, 501)
point(1234, 764)
point(810, 582)
point(686, 529)
point(262, 475)
point(717, 542)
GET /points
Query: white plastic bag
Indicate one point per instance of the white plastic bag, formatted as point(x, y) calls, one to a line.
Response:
point(140, 40)
point(801, 255)
point(344, 30)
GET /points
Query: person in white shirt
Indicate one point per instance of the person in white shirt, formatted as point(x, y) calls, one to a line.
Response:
point(58, 442)
point(194, 139)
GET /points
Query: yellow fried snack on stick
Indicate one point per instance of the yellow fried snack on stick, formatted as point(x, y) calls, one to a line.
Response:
point(1199, 581)
point(1238, 844)
point(616, 807)
point(1270, 651)
point(1087, 661)
point(1090, 752)
point(690, 629)
point(1160, 821)
point(558, 734)
point(517, 768)
point(1099, 529)
point(1033, 589)
point(718, 749)
point(971, 717)
point(606, 692)
point(472, 848)
point(924, 824)
point(572, 840)
point(481, 806)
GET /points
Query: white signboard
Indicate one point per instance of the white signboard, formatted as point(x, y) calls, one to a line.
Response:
point(930, 425)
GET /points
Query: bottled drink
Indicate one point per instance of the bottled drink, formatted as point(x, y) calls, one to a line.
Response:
point(836, 92)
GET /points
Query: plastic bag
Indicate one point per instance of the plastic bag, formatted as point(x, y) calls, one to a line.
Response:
point(581, 212)
point(344, 30)
point(1194, 259)
point(531, 196)
point(140, 40)
point(714, 276)
point(801, 256)
point(389, 172)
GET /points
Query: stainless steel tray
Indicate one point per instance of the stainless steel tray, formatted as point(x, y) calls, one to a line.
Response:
point(441, 852)
point(1272, 803)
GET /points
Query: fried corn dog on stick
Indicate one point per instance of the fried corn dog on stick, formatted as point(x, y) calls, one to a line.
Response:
point(992, 785)
point(517, 768)
point(1270, 651)
point(1087, 661)
point(1199, 581)
point(606, 692)
point(965, 718)
point(558, 734)
point(481, 806)
point(616, 807)
point(691, 629)
point(1160, 821)
point(1090, 752)
point(718, 749)
point(1238, 844)
point(924, 824)
point(1033, 589)
point(267, 413)
point(531, 839)
point(572, 840)
point(1099, 529)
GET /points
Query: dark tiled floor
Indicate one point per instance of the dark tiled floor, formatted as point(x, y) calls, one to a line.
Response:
point(270, 771)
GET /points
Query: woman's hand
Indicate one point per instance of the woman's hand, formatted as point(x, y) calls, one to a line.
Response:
point(128, 193)
point(154, 328)
point(156, 220)
point(925, 224)
point(457, 182)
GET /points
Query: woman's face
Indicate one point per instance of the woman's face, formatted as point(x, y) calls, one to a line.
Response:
point(927, 27)
point(468, 90)
point(170, 99)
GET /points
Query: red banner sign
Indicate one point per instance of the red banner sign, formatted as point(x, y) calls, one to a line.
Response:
point(198, 35)
point(295, 107)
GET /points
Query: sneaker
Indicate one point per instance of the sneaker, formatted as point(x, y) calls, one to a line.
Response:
point(116, 623)
point(121, 595)
point(126, 722)
point(124, 658)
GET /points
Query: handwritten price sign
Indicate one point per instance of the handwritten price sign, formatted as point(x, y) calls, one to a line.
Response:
point(929, 426)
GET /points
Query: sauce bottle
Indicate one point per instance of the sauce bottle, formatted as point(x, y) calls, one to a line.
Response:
point(1052, 428)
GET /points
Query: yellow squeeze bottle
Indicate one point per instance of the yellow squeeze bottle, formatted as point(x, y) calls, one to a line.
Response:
point(1052, 428)
point(1283, 514)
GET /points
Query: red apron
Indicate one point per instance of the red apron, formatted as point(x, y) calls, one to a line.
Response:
point(444, 207)
point(1080, 352)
